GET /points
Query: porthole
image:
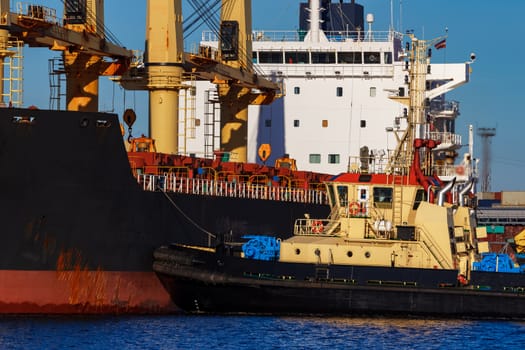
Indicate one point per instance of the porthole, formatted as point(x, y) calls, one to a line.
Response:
point(367, 255)
point(297, 251)
point(349, 253)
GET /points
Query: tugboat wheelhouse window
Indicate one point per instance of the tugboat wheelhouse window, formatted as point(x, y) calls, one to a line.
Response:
point(270, 57)
point(296, 90)
point(296, 123)
point(339, 91)
point(383, 197)
point(342, 192)
point(331, 194)
point(421, 196)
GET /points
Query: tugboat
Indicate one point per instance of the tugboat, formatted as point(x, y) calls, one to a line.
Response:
point(398, 241)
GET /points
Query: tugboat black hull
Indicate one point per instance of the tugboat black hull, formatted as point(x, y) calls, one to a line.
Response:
point(206, 282)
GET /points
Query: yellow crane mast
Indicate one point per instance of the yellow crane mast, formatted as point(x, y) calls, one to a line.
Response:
point(166, 66)
point(81, 38)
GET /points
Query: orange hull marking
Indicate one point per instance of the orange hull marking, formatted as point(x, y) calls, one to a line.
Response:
point(82, 291)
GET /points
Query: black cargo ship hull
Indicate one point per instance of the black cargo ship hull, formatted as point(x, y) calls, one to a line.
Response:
point(201, 281)
point(78, 232)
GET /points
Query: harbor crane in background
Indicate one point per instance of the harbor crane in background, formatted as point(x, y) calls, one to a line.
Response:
point(167, 66)
point(83, 41)
point(81, 38)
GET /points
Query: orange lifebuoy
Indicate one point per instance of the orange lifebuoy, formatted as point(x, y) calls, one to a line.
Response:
point(460, 170)
point(354, 208)
point(317, 226)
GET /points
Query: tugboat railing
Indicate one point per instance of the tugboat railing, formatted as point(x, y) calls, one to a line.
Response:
point(307, 227)
point(234, 189)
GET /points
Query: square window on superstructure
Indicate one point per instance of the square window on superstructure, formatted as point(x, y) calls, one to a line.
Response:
point(297, 90)
point(324, 123)
point(372, 58)
point(296, 123)
point(270, 57)
point(387, 57)
point(293, 57)
point(254, 56)
point(268, 123)
point(333, 158)
point(363, 123)
point(349, 57)
point(315, 158)
point(372, 91)
point(323, 57)
point(339, 91)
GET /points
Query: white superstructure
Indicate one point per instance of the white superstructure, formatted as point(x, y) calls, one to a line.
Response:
point(337, 105)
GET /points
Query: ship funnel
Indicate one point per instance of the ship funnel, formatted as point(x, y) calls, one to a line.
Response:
point(444, 190)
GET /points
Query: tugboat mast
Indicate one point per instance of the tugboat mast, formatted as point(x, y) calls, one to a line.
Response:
point(418, 65)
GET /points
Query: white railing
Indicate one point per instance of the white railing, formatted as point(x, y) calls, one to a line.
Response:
point(171, 183)
point(326, 70)
point(445, 137)
point(306, 227)
point(299, 35)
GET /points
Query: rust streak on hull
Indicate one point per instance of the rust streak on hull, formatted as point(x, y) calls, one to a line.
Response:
point(82, 292)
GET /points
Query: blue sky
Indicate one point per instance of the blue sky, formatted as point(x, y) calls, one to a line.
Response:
point(491, 99)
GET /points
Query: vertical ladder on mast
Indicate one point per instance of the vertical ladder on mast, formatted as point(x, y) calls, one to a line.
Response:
point(397, 200)
point(211, 123)
point(13, 74)
point(188, 120)
point(57, 82)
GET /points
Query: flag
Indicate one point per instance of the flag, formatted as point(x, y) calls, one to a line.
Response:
point(441, 44)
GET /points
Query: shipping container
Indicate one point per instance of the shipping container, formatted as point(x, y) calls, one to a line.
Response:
point(486, 195)
point(513, 198)
point(487, 203)
point(495, 229)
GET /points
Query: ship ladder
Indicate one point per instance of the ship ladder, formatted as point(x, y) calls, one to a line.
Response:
point(397, 200)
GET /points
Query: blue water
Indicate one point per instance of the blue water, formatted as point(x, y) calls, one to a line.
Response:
point(254, 332)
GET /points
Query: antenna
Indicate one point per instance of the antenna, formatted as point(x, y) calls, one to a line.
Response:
point(401, 16)
point(486, 134)
point(391, 15)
